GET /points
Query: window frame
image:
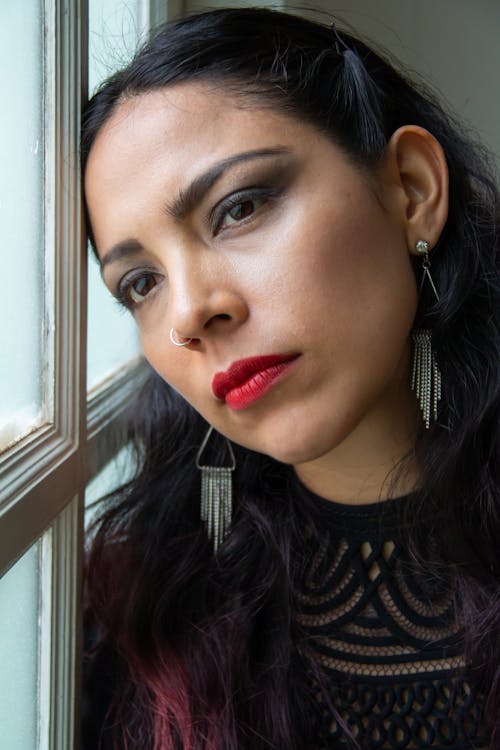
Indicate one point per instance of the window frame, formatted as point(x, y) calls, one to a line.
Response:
point(36, 469)
point(43, 476)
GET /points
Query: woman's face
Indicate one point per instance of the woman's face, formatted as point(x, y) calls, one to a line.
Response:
point(251, 233)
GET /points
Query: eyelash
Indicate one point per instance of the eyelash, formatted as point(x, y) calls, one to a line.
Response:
point(216, 217)
point(125, 286)
point(219, 213)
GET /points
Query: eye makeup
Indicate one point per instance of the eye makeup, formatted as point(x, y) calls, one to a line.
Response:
point(257, 196)
point(259, 182)
point(264, 184)
point(129, 285)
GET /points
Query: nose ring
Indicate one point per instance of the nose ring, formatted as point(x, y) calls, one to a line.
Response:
point(178, 343)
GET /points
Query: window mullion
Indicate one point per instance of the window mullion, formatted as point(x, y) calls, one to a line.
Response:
point(26, 519)
point(65, 640)
point(161, 11)
point(70, 270)
point(71, 70)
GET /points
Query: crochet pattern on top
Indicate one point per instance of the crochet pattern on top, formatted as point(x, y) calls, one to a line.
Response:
point(385, 630)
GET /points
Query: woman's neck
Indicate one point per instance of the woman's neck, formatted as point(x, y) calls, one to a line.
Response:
point(375, 462)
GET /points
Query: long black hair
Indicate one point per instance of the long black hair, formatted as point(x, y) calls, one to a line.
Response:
point(208, 644)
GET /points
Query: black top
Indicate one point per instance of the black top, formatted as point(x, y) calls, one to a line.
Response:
point(385, 629)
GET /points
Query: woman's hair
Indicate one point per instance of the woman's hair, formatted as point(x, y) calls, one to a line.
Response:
point(208, 646)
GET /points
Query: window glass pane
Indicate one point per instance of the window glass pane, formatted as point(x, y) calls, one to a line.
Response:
point(21, 217)
point(116, 472)
point(19, 595)
point(115, 29)
point(112, 334)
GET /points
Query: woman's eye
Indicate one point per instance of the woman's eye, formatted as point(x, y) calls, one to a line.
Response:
point(240, 211)
point(134, 291)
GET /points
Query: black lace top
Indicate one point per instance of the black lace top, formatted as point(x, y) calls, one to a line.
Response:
point(385, 630)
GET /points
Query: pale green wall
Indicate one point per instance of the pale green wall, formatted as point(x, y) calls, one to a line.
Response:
point(199, 5)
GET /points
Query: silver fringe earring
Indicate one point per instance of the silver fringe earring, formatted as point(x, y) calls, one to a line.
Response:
point(216, 494)
point(425, 377)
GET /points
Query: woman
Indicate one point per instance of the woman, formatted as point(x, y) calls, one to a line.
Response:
point(308, 245)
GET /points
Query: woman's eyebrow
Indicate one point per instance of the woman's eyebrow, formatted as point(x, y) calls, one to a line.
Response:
point(122, 249)
point(190, 196)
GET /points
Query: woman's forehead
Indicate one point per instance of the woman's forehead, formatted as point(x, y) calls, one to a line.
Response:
point(182, 130)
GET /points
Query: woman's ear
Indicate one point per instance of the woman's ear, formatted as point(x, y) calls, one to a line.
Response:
point(414, 175)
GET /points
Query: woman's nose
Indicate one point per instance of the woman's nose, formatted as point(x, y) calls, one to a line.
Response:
point(204, 302)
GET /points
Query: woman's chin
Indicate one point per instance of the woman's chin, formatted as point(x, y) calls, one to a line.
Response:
point(294, 450)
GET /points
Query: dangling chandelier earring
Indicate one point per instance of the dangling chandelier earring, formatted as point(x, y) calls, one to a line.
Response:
point(425, 377)
point(216, 494)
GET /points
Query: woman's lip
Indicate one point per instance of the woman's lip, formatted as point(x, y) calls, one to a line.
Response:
point(247, 380)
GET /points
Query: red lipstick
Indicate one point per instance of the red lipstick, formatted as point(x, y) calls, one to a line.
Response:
point(247, 380)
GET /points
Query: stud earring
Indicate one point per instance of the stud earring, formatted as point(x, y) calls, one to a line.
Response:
point(178, 343)
point(422, 247)
point(216, 494)
point(426, 377)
